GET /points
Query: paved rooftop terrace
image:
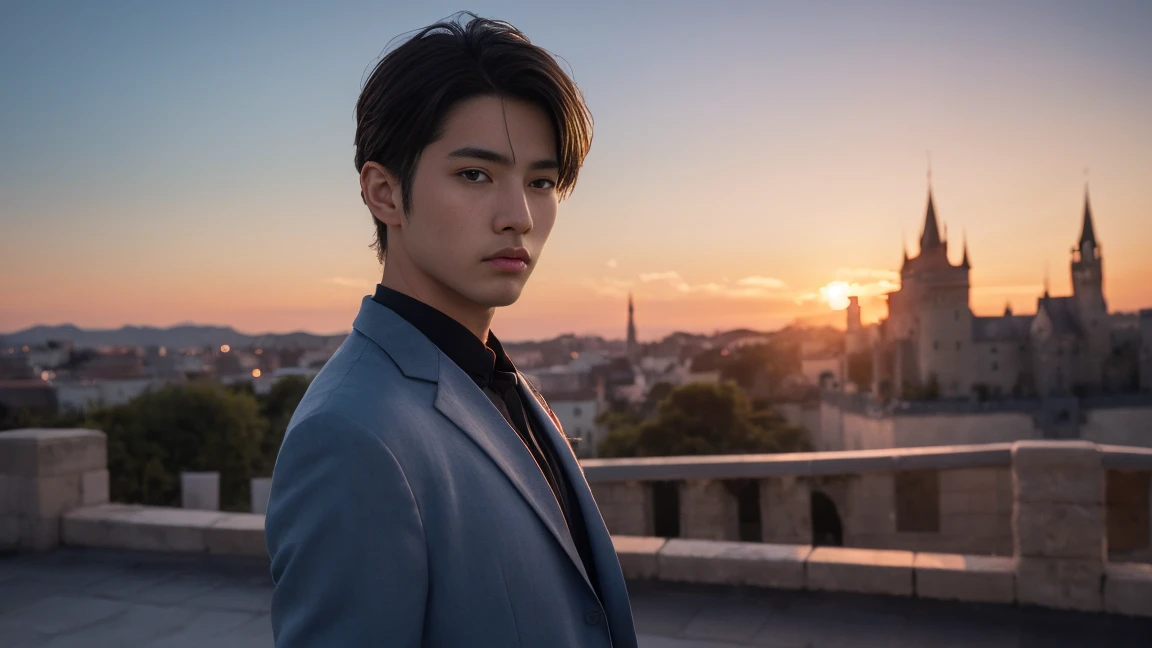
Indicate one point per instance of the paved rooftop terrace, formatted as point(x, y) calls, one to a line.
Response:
point(116, 599)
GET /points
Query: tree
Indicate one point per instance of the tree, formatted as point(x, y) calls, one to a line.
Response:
point(197, 427)
point(702, 419)
point(277, 407)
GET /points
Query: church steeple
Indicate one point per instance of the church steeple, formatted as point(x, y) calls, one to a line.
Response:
point(630, 347)
point(965, 263)
point(930, 237)
point(1087, 231)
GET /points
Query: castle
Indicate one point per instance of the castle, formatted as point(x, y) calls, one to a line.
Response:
point(931, 345)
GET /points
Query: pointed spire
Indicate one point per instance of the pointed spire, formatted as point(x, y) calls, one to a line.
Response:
point(1007, 309)
point(930, 237)
point(965, 263)
point(1046, 280)
point(1087, 231)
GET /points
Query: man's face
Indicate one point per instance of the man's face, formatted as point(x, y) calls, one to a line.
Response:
point(483, 203)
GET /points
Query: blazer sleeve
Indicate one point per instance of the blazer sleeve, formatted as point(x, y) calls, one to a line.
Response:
point(349, 557)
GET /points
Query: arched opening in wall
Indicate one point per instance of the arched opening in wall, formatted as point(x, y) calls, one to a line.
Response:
point(826, 528)
point(747, 494)
point(666, 509)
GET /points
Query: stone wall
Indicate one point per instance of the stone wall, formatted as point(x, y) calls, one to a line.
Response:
point(864, 432)
point(44, 474)
point(1128, 426)
point(845, 429)
point(1058, 524)
point(625, 506)
point(961, 429)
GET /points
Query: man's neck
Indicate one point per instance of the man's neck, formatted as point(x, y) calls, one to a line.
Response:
point(470, 315)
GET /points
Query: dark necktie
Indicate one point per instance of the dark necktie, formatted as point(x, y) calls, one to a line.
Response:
point(504, 383)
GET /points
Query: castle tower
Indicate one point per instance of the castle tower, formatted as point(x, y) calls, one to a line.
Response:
point(943, 328)
point(1088, 294)
point(854, 339)
point(630, 346)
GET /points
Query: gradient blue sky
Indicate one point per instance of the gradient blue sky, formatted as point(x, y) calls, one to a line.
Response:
point(193, 161)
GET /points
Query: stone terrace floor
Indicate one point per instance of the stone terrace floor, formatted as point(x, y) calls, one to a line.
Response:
point(96, 599)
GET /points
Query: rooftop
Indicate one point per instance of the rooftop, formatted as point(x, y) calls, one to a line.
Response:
point(97, 598)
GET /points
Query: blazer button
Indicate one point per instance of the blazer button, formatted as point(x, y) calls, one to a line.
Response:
point(593, 617)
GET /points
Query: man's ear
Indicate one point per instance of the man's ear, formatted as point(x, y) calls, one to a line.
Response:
point(380, 191)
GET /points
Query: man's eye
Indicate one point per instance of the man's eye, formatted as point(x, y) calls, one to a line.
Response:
point(542, 183)
point(473, 175)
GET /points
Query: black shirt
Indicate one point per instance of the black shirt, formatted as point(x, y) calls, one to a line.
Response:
point(493, 372)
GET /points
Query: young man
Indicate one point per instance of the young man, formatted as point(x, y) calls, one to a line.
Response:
point(424, 495)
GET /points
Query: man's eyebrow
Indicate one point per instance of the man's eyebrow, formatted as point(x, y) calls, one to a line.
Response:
point(499, 158)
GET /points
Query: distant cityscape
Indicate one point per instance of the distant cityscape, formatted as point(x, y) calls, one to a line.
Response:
point(1069, 370)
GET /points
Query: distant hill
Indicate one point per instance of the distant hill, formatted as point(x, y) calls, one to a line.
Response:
point(185, 336)
point(188, 336)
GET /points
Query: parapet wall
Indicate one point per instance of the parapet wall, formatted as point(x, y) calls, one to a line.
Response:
point(1032, 522)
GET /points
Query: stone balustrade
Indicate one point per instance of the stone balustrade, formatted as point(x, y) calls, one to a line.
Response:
point(44, 474)
point(1058, 500)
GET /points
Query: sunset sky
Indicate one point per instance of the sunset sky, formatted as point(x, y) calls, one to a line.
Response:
point(193, 162)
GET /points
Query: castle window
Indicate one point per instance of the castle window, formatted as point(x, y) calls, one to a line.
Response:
point(935, 345)
point(1021, 347)
point(993, 350)
point(995, 366)
point(957, 345)
point(576, 412)
point(956, 316)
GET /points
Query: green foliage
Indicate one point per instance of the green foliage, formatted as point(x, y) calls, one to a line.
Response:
point(700, 419)
point(197, 427)
point(277, 408)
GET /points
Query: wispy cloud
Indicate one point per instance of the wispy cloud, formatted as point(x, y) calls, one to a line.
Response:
point(347, 282)
point(612, 263)
point(763, 282)
point(748, 287)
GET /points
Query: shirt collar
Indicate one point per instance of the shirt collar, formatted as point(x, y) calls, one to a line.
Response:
point(454, 340)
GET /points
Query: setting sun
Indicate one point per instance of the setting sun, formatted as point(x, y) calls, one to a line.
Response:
point(836, 294)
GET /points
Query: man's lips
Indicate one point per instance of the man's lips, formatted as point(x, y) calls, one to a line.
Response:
point(508, 264)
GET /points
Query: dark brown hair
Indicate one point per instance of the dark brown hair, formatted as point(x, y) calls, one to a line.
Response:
point(407, 97)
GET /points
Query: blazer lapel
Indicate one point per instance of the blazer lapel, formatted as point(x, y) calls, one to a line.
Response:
point(603, 551)
point(468, 407)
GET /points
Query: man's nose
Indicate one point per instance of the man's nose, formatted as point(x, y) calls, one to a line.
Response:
point(514, 213)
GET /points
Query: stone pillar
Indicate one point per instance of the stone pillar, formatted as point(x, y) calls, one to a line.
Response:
point(45, 473)
point(200, 490)
point(786, 510)
point(708, 511)
point(625, 506)
point(261, 489)
point(1058, 528)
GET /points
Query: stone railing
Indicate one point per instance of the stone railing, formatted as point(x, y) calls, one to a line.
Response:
point(955, 499)
point(1061, 502)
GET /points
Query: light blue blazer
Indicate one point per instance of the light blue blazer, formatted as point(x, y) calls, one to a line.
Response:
point(405, 511)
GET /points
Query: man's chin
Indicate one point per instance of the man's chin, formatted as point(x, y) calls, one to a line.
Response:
point(495, 294)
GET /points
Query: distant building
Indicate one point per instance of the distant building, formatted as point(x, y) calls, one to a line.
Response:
point(932, 344)
point(1146, 349)
point(112, 367)
point(577, 411)
point(82, 395)
point(33, 395)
